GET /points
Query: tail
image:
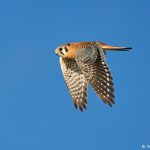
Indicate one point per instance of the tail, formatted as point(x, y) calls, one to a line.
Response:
point(113, 48)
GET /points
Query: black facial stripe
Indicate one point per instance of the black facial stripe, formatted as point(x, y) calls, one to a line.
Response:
point(61, 52)
point(60, 49)
point(66, 49)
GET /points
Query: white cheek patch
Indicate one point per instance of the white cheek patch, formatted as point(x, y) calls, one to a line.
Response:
point(64, 51)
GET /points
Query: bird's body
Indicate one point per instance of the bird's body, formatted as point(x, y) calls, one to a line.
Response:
point(84, 63)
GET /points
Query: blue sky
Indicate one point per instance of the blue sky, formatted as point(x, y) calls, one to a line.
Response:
point(36, 111)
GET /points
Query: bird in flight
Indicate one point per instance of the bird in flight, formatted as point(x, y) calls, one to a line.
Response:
point(84, 63)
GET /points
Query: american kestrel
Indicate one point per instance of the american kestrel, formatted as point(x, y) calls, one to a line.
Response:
point(84, 63)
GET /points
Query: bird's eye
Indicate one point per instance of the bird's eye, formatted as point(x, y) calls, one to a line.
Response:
point(61, 50)
point(68, 44)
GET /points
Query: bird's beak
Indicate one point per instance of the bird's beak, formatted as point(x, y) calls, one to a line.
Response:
point(57, 52)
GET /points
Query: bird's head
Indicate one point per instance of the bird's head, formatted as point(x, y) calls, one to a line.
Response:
point(62, 50)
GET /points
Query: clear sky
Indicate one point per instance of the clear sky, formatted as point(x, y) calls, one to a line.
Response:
point(36, 110)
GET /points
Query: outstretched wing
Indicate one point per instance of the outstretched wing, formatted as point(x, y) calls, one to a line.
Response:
point(76, 82)
point(92, 63)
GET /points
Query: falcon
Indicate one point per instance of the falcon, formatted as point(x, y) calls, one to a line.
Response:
point(84, 63)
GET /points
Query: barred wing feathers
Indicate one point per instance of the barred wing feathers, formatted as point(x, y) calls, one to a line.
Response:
point(75, 81)
point(92, 63)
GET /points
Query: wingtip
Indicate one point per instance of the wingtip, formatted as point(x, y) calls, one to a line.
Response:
point(81, 108)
